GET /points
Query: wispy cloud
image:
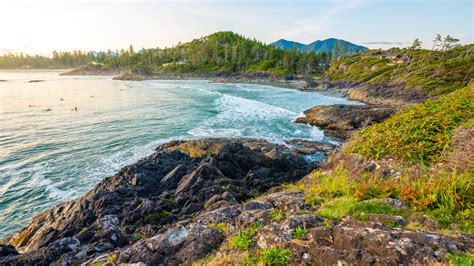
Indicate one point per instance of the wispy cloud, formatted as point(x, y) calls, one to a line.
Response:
point(321, 24)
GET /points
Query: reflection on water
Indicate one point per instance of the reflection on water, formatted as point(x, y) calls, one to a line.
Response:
point(51, 153)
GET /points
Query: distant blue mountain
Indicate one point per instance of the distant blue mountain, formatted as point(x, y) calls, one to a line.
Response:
point(321, 46)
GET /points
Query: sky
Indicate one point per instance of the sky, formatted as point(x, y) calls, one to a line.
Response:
point(41, 26)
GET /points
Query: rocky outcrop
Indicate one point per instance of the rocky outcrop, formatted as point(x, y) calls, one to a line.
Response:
point(341, 121)
point(151, 198)
point(394, 94)
point(93, 70)
point(347, 242)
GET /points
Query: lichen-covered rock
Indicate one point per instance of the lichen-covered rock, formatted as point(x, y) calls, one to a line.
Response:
point(177, 245)
point(393, 220)
point(394, 203)
point(289, 201)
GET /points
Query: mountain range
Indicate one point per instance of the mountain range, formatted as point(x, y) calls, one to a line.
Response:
point(320, 46)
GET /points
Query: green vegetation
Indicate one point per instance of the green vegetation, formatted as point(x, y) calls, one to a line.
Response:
point(435, 71)
point(112, 258)
point(157, 217)
point(336, 209)
point(276, 256)
point(59, 60)
point(226, 51)
point(446, 197)
point(299, 232)
point(419, 134)
point(220, 226)
point(374, 207)
point(243, 239)
point(221, 51)
point(461, 259)
point(277, 215)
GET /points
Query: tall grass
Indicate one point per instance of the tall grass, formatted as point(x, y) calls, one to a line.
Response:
point(447, 197)
point(420, 134)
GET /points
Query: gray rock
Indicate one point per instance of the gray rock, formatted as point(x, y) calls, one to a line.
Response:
point(290, 201)
point(257, 205)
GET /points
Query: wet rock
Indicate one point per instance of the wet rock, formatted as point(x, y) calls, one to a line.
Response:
point(7, 250)
point(181, 176)
point(306, 147)
point(65, 245)
point(341, 121)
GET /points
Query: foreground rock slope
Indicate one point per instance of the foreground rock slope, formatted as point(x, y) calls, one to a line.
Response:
point(201, 202)
point(146, 199)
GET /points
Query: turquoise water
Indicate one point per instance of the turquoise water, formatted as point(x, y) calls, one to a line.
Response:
point(47, 157)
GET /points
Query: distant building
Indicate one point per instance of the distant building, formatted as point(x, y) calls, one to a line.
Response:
point(181, 62)
point(388, 56)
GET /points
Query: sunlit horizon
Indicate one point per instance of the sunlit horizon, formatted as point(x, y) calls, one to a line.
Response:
point(40, 27)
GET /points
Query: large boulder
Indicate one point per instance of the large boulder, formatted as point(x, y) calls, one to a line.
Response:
point(341, 121)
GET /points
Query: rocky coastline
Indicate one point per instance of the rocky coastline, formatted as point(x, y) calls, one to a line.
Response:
point(181, 180)
point(186, 202)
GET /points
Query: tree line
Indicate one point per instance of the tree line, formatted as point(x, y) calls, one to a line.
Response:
point(221, 51)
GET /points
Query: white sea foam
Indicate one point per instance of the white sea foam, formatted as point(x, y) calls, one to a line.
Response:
point(232, 106)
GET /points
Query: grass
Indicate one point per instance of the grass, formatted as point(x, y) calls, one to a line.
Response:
point(220, 226)
point(300, 232)
point(157, 217)
point(421, 134)
point(461, 259)
point(276, 256)
point(277, 215)
point(243, 239)
point(447, 197)
point(112, 258)
point(374, 207)
point(336, 209)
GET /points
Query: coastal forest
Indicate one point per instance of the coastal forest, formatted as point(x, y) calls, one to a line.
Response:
point(221, 51)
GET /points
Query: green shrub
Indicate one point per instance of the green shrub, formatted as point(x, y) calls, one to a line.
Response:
point(157, 217)
point(276, 256)
point(243, 239)
point(277, 215)
point(299, 232)
point(112, 258)
point(220, 226)
point(461, 259)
